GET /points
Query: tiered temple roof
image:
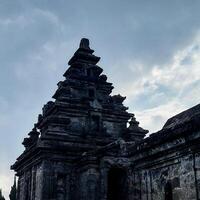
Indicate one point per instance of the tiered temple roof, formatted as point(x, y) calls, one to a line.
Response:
point(84, 114)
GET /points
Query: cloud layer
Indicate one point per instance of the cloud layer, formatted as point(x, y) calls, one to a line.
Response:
point(150, 51)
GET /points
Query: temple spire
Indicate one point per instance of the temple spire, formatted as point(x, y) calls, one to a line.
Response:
point(84, 54)
point(134, 131)
point(84, 43)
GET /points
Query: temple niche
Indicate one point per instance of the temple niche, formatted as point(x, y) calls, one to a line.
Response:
point(85, 145)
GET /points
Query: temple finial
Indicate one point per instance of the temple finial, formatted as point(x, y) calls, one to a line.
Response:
point(84, 54)
point(85, 44)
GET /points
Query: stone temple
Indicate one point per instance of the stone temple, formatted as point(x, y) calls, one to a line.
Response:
point(86, 146)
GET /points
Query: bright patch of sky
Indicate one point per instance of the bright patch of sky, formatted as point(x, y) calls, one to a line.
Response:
point(150, 50)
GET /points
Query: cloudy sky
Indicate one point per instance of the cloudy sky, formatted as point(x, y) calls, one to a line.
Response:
point(150, 50)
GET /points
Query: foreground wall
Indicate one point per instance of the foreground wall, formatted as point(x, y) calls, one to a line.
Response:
point(168, 171)
point(176, 179)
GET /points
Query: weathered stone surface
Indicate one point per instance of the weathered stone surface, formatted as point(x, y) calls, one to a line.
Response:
point(82, 149)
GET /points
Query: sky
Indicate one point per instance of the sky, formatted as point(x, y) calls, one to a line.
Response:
point(150, 50)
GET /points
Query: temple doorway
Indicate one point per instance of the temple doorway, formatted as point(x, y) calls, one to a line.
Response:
point(168, 191)
point(117, 184)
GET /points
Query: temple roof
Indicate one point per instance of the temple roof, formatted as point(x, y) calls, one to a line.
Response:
point(182, 117)
point(84, 115)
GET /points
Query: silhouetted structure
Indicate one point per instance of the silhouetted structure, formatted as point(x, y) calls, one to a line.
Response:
point(82, 149)
point(1, 195)
point(13, 192)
